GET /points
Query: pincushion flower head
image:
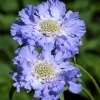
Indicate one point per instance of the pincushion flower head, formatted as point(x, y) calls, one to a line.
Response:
point(49, 22)
point(44, 73)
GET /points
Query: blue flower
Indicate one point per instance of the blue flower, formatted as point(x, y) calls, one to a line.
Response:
point(44, 73)
point(49, 22)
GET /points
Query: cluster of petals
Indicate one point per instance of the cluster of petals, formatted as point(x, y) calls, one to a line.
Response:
point(26, 59)
point(27, 29)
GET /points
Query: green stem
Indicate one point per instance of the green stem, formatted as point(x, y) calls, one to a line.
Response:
point(61, 96)
point(88, 94)
point(92, 79)
point(74, 59)
point(66, 88)
point(62, 93)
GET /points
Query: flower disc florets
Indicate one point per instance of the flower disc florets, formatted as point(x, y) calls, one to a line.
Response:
point(45, 71)
point(50, 26)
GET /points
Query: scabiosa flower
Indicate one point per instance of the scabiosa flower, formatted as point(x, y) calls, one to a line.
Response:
point(49, 22)
point(44, 73)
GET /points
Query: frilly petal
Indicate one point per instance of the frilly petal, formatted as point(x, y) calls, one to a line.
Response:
point(57, 6)
point(27, 15)
point(75, 88)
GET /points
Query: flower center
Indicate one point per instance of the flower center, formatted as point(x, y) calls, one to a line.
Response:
point(44, 70)
point(50, 26)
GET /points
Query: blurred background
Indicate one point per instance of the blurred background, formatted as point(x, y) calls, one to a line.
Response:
point(89, 53)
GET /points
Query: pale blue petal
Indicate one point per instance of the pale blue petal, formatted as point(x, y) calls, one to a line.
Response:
point(75, 88)
point(27, 15)
point(57, 6)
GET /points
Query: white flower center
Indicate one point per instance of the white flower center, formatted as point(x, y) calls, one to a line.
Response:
point(50, 26)
point(45, 71)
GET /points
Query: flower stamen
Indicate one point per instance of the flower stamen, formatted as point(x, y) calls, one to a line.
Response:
point(44, 70)
point(50, 26)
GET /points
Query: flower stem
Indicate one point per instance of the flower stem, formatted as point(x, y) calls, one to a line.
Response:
point(89, 95)
point(61, 96)
point(74, 59)
point(62, 93)
point(92, 79)
point(66, 88)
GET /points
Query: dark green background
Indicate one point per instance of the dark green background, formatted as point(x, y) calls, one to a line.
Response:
point(89, 53)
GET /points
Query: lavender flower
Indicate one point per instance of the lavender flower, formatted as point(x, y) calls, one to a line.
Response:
point(45, 73)
point(49, 22)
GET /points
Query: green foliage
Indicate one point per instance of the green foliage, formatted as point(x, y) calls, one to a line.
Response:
point(89, 53)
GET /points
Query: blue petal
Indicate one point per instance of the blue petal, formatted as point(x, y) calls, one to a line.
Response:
point(75, 88)
point(73, 25)
point(57, 8)
point(27, 15)
point(19, 30)
point(71, 73)
point(46, 52)
point(64, 65)
point(27, 53)
point(42, 9)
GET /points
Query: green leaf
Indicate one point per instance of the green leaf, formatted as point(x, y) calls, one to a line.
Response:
point(18, 19)
point(11, 92)
point(79, 79)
